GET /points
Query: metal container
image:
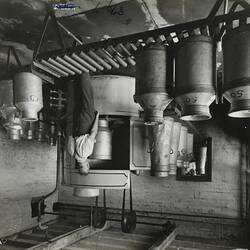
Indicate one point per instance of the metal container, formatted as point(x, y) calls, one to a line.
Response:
point(28, 95)
point(6, 98)
point(113, 95)
point(175, 139)
point(154, 76)
point(14, 134)
point(236, 58)
point(159, 143)
point(195, 77)
point(182, 148)
point(85, 192)
point(103, 146)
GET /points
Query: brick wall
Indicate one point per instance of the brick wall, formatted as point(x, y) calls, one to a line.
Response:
point(27, 169)
point(221, 197)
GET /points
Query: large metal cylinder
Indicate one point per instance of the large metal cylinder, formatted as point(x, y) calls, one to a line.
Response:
point(159, 143)
point(28, 95)
point(182, 148)
point(195, 77)
point(113, 95)
point(174, 148)
point(154, 75)
point(103, 146)
point(236, 58)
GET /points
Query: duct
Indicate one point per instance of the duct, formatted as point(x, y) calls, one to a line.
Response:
point(236, 57)
point(154, 68)
point(113, 95)
point(28, 95)
point(159, 143)
point(195, 77)
point(103, 145)
point(174, 148)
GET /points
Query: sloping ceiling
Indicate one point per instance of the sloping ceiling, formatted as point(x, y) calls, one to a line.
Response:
point(92, 20)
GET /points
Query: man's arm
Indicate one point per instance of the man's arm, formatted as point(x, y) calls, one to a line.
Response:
point(94, 129)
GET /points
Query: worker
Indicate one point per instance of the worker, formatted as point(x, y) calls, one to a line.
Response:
point(85, 124)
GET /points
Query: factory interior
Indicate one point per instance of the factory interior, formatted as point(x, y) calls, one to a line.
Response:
point(162, 89)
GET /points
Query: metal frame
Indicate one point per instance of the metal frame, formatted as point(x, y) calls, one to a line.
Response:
point(120, 51)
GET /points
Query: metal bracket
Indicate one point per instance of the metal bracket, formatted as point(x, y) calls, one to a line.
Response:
point(49, 14)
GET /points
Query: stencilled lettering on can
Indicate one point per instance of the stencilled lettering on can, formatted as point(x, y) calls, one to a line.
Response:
point(238, 94)
point(191, 100)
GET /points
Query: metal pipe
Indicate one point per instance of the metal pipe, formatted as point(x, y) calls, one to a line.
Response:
point(39, 44)
point(49, 65)
point(108, 58)
point(64, 205)
point(59, 59)
point(117, 56)
point(129, 58)
point(70, 33)
point(99, 59)
point(61, 66)
point(76, 64)
point(140, 222)
point(80, 60)
point(40, 66)
point(91, 61)
point(58, 173)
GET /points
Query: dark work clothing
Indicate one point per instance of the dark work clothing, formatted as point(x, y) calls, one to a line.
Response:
point(84, 109)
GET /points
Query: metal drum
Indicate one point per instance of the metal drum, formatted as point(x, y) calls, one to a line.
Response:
point(154, 76)
point(182, 148)
point(236, 58)
point(174, 148)
point(28, 95)
point(195, 77)
point(159, 143)
point(113, 95)
point(103, 146)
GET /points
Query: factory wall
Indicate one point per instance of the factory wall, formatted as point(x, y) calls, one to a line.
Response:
point(27, 169)
point(222, 197)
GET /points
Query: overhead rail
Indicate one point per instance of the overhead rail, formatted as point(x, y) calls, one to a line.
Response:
point(120, 52)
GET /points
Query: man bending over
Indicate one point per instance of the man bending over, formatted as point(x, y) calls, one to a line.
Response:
point(85, 124)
